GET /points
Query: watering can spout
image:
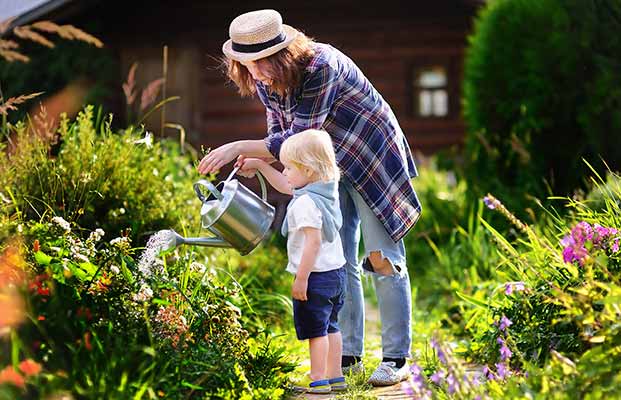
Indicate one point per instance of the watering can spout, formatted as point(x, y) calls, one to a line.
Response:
point(197, 241)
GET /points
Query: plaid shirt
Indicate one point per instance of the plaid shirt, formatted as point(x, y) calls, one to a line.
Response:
point(371, 150)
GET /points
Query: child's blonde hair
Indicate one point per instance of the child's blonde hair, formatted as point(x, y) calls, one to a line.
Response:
point(311, 149)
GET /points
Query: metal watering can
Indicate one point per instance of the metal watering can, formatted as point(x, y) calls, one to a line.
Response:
point(233, 213)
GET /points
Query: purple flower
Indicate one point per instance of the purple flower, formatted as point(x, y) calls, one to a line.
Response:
point(505, 323)
point(437, 377)
point(491, 202)
point(453, 385)
point(511, 286)
point(505, 353)
point(568, 241)
point(582, 232)
point(568, 254)
point(416, 370)
point(488, 373)
point(502, 370)
point(615, 246)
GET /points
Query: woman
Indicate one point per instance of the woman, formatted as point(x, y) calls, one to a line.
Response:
point(308, 85)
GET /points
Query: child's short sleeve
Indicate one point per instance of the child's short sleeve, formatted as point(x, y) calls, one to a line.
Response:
point(304, 213)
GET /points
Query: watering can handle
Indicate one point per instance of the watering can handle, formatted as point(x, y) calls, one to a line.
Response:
point(263, 187)
point(259, 177)
point(208, 185)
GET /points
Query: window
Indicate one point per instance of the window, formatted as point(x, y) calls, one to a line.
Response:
point(431, 92)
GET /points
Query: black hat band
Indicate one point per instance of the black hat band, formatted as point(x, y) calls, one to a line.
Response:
point(255, 48)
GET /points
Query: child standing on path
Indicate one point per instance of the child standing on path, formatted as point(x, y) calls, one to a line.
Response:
point(314, 249)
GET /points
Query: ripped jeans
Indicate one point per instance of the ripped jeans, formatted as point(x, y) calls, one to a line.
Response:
point(393, 292)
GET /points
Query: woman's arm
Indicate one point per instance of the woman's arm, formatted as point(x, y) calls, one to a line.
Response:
point(226, 153)
point(312, 244)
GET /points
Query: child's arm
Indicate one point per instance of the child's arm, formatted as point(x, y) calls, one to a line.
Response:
point(273, 176)
point(312, 243)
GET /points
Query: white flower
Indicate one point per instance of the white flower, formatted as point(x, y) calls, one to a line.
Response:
point(144, 294)
point(197, 267)
point(156, 172)
point(146, 140)
point(121, 242)
point(81, 257)
point(60, 221)
point(96, 235)
point(20, 228)
point(4, 198)
point(115, 269)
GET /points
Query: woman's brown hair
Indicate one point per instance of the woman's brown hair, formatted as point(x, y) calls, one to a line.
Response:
point(285, 68)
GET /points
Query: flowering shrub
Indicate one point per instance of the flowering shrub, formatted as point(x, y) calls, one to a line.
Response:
point(99, 179)
point(88, 303)
point(554, 322)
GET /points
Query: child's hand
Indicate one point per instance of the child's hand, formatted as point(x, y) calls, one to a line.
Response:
point(298, 291)
point(247, 166)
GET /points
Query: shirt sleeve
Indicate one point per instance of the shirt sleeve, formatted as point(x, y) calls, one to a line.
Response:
point(305, 214)
point(319, 91)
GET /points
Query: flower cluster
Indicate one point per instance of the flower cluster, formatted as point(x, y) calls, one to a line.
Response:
point(27, 368)
point(584, 237)
point(60, 221)
point(418, 388)
point(170, 324)
point(459, 382)
point(503, 371)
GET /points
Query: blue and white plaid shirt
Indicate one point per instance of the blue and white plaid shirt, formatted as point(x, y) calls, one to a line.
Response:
point(371, 150)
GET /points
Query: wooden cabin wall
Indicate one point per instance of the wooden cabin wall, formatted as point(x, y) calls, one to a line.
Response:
point(386, 39)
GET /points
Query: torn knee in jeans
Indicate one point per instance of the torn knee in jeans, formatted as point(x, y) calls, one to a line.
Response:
point(376, 262)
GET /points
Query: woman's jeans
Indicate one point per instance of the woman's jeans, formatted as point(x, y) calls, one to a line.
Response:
point(393, 292)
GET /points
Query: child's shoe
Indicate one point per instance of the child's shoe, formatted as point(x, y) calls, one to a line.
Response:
point(338, 384)
point(307, 385)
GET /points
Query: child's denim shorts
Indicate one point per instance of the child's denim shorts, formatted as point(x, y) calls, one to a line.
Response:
point(317, 316)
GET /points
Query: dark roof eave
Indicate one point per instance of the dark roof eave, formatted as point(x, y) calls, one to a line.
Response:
point(37, 12)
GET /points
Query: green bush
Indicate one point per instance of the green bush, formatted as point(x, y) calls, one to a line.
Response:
point(449, 246)
point(541, 91)
point(102, 325)
point(100, 179)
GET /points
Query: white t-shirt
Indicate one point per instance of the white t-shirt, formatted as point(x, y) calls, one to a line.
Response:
point(304, 213)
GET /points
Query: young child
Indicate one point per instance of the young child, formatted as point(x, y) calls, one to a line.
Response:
point(314, 249)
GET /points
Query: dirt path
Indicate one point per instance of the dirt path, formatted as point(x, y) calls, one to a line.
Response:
point(374, 353)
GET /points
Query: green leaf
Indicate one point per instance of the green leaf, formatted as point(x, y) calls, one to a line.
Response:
point(42, 258)
point(474, 301)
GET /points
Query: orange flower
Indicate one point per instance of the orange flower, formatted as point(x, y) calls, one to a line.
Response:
point(35, 245)
point(12, 266)
point(30, 367)
point(87, 341)
point(9, 375)
point(12, 311)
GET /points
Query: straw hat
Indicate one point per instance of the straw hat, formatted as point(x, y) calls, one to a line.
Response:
point(257, 34)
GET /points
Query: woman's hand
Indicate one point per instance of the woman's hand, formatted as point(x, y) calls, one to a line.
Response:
point(298, 291)
point(218, 158)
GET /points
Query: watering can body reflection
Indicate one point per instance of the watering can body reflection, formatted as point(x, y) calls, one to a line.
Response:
point(233, 213)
